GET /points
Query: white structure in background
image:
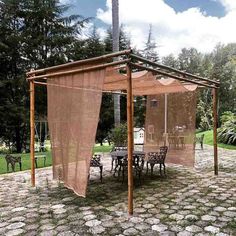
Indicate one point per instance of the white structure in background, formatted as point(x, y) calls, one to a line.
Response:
point(139, 136)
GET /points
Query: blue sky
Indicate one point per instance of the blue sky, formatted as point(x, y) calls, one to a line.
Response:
point(89, 8)
point(212, 8)
point(176, 23)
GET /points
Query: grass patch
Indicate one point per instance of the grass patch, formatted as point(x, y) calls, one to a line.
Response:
point(232, 225)
point(26, 159)
point(208, 139)
point(104, 148)
point(25, 162)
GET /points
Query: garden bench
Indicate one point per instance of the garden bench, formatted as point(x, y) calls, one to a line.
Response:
point(13, 160)
point(40, 156)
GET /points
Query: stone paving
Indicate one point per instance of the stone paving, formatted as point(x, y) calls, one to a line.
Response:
point(227, 159)
point(186, 202)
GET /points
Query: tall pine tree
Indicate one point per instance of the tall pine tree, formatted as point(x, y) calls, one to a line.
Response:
point(33, 34)
point(150, 49)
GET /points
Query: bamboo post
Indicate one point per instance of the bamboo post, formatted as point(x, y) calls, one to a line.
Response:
point(130, 140)
point(214, 93)
point(32, 134)
point(132, 122)
point(166, 120)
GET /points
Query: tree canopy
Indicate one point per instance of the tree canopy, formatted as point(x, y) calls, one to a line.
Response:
point(33, 34)
point(36, 34)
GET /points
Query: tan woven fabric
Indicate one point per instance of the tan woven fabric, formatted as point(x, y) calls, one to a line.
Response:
point(74, 103)
point(180, 126)
point(73, 111)
point(144, 83)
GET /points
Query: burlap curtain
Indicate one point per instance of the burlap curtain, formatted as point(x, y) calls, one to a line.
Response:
point(178, 112)
point(73, 111)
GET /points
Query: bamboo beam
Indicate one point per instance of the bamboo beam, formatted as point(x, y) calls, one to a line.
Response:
point(79, 70)
point(173, 69)
point(130, 139)
point(80, 62)
point(104, 91)
point(32, 132)
point(214, 93)
point(171, 75)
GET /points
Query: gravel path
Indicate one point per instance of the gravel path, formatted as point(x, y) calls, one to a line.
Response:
point(186, 202)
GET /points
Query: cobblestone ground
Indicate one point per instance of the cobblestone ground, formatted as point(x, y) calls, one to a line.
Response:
point(185, 202)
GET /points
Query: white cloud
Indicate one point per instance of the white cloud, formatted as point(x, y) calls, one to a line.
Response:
point(228, 4)
point(86, 31)
point(67, 2)
point(171, 30)
point(102, 32)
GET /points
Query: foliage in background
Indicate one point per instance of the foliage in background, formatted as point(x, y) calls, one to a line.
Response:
point(106, 118)
point(118, 135)
point(217, 65)
point(33, 34)
point(37, 34)
point(150, 48)
point(208, 139)
point(204, 113)
point(227, 131)
point(13, 88)
point(139, 111)
point(93, 46)
point(224, 69)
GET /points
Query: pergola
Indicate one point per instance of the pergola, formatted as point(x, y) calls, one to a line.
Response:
point(142, 77)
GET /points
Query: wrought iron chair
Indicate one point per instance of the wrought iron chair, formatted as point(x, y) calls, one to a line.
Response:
point(138, 164)
point(199, 140)
point(157, 158)
point(163, 149)
point(96, 162)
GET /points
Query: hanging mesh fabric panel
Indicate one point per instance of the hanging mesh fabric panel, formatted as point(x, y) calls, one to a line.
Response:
point(180, 126)
point(73, 111)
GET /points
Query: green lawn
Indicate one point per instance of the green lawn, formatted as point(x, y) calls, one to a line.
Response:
point(208, 139)
point(25, 162)
point(104, 148)
point(26, 159)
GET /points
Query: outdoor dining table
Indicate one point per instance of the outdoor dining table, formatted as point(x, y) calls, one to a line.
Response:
point(178, 141)
point(119, 155)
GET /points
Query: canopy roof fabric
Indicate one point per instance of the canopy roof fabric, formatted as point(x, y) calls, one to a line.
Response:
point(143, 75)
point(144, 83)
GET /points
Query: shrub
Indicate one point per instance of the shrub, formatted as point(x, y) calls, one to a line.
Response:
point(227, 131)
point(118, 135)
point(204, 116)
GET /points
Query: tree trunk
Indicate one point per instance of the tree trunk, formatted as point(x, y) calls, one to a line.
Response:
point(18, 140)
point(115, 47)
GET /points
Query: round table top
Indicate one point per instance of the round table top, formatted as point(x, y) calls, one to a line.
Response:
point(124, 153)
